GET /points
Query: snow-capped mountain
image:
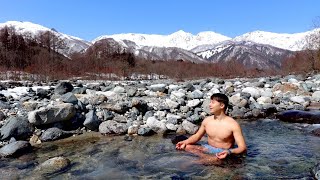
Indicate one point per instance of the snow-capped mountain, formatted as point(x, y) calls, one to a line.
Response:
point(258, 48)
point(293, 42)
point(250, 54)
point(188, 41)
point(168, 53)
point(147, 52)
point(73, 44)
point(179, 39)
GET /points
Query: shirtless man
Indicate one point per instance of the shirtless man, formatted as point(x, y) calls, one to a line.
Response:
point(222, 131)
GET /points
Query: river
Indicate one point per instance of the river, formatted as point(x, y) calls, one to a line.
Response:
point(276, 150)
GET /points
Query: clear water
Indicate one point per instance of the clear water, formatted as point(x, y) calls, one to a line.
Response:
point(276, 150)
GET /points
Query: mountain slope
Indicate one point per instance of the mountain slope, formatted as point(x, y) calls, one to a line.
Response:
point(250, 54)
point(147, 52)
point(73, 44)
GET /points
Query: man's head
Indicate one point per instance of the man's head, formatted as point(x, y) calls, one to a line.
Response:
point(222, 99)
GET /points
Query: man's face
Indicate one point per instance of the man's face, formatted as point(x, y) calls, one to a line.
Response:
point(215, 106)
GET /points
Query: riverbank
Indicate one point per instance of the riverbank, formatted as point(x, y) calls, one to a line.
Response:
point(34, 112)
point(145, 107)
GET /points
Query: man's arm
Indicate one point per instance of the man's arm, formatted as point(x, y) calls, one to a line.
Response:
point(192, 139)
point(239, 139)
point(238, 136)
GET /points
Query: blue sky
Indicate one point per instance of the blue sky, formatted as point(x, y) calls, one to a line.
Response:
point(90, 19)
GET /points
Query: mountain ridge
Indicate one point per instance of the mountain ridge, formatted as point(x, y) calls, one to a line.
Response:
point(254, 49)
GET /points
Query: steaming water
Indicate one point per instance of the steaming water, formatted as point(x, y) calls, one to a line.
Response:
point(276, 150)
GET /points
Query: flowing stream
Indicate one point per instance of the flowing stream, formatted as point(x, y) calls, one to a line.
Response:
point(276, 150)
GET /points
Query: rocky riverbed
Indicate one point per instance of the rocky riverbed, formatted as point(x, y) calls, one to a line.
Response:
point(32, 113)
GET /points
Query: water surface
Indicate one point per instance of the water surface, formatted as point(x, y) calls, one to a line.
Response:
point(276, 150)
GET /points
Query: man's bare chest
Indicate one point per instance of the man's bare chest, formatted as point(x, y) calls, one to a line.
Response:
point(219, 131)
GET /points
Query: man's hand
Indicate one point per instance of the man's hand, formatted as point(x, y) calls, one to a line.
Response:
point(222, 155)
point(181, 145)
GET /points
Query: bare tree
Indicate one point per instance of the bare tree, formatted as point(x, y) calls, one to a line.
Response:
point(313, 46)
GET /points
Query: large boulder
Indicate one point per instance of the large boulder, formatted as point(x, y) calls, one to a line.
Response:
point(52, 114)
point(15, 148)
point(54, 133)
point(52, 166)
point(156, 125)
point(92, 122)
point(63, 88)
point(297, 116)
point(189, 127)
point(17, 127)
point(113, 127)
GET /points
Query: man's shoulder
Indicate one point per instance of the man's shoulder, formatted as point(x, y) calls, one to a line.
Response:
point(231, 121)
point(208, 118)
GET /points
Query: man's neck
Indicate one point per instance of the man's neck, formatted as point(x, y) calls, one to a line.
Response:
point(219, 116)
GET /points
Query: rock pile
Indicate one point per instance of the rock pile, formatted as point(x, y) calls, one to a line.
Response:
point(60, 109)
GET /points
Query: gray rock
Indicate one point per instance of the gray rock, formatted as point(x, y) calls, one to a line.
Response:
point(2, 116)
point(245, 95)
point(42, 93)
point(120, 118)
point(52, 166)
point(54, 133)
point(52, 114)
point(111, 126)
point(156, 125)
point(316, 96)
point(157, 87)
point(253, 91)
point(180, 94)
point(195, 118)
point(173, 119)
point(17, 127)
point(205, 106)
point(172, 104)
point(133, 129)
point(145, 131)
point(119, 89)
point(92, 122)
point(140, 104)
point(256, 113)
point(189, 87)
point(118, 107)
point(69, 98)
point(196, 94)
point(297, 116)
point(193, 103)
point(63, 87)
point(131, 91)
point(79, 90)
point(4, 105)
point(107, 88)
point(189, 127)
point(237, 113)
point(107, 115)
point(14, 149)
point(98, 99)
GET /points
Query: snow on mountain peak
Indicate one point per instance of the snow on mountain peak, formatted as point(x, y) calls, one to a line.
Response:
point(24, 27)
point(291, 42)
point(180, 39)
point(74, 44)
